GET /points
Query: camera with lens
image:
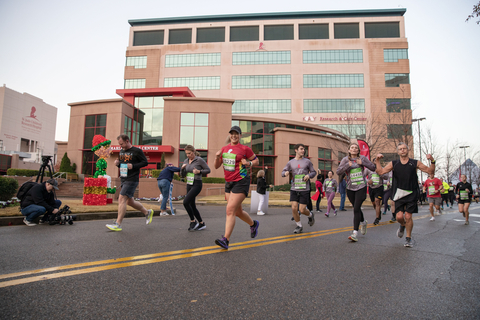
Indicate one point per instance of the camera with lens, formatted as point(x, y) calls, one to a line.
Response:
point(63, 216)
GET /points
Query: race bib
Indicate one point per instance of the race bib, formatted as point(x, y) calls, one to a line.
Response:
point(329, 184)
point(299, 183)
point(356, 177)
point(190, 178)
point(123, 170)
point(463, 195)
point(229, 161)
point(375, 179)
point(431, 190)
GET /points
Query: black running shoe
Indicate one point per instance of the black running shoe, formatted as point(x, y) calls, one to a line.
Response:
point(193, 226)
point(377, 220)
point(200, 226)
point(254, 229)
point(311, 220)
point(222, 242)
point(409, 242)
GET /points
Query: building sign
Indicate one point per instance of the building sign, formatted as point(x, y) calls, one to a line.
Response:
point(313, 119)
point(31, 123)
point(147, 148)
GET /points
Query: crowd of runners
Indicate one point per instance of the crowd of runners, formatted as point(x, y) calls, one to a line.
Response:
point(396, 182)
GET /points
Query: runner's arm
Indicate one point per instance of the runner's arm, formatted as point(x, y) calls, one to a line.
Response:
point(379, 169)
point(343, 166)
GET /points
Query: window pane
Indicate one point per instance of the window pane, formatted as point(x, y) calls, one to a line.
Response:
point(280, 32)
point(257, 127)
point(186, 136)
point(201, 138)
point(157, 120)
point(346, 30)
point(90, 121)
point(148, 38)
point(382, 30)
point(257, 143)
point(178, 36)
point(201, 119)
point(87, 142)
point(101, 120)
point(246, 139)
point(248, 33)
point(211, 35)
point(313, 31)
point(187, 119)
point(246, 126)
point(268, 145)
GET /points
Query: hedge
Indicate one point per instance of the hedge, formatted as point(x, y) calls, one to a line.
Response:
point(8, 188)
point(156, 173)
point(25, 172)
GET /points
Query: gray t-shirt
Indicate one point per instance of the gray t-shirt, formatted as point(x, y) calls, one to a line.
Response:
point(298, 170)
point(355, 173)
point(375, 177)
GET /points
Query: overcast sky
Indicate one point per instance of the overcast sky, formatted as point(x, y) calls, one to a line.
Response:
point(65, 51)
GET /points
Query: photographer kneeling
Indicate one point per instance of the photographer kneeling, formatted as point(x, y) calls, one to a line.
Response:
point(39, 200)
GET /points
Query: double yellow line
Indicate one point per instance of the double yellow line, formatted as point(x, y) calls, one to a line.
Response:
point(7, 280)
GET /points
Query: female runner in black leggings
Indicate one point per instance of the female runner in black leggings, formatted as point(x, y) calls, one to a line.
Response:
point(353, 165)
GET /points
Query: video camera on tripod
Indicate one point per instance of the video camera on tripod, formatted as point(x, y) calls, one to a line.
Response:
point(47, 162)
point(63, 216)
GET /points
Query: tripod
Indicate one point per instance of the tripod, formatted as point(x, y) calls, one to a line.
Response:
point(47, 163)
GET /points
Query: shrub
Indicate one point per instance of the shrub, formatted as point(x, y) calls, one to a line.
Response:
point(65, 165)
point(25, 172)
point(8, 188)
point(156, 173)
point(213, 180)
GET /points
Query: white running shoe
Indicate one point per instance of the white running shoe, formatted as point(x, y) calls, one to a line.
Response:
point(432, 219)
point(260, 213)
point(363, 227)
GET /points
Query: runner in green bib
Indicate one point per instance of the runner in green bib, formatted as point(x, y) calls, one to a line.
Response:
point(464, 192)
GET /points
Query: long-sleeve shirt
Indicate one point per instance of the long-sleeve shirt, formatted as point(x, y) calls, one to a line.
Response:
point(355, 173)
point(197, 163)
point(167, 173)
point(387, 180)
point(376, 179)
point(330, 185)
point(137, 158)
point(298, 170)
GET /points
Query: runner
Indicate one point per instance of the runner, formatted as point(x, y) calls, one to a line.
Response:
point(476, 194)
point(451, 194)
point(353, 165)
point(130, 160)
point(330, 186)
point(236, 158)
point(301, 171)
point(433, 187)
point(444, 193)
point(464, 197)
point(193, 168)
point(387, 195)
point(405, 188)
point(375, 189)
point(319, 193)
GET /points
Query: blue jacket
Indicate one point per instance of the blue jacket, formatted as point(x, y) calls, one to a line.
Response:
point(167, 173)
point(342, 186)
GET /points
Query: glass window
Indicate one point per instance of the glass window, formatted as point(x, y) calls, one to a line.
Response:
point(94, 124)
point(246, 126)
point(134, 83)
point(148, 38)
point(392, 55)
point(179, 36)
point(192, 60)
point(257, 127)
point(194, 83)
point(262, 106)
point(257, 143)
point(261, 82)
point(333, 105)
point(216, 34)
point(333, 80)
point(346, 30)
point(89, 162)
point(396, 79)
point(148, 120)
point(261, 57)
point(352, 130)
point(382, 29)
point(397, 105)
point(139, 62)
point(194, 130)
point(244, 33)
point(278, 32)
point(269, 127)
point(398, 131)
point(333, 56)
point(313, 31)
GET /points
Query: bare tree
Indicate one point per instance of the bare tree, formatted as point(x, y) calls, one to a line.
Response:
point(449, 161)
point(475, 12)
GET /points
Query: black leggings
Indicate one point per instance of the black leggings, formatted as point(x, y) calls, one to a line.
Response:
point(189, 201)
point(318, 202)
point(356, 199)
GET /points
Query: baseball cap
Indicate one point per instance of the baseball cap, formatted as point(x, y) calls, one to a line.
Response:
point(53, 182)
point(236, 129)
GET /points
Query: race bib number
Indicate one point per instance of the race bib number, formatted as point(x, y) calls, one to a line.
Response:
point(299, 183)
point(463, 195)
point(375, 179)
point(229, 161)
point(190, 178)
point(431, 190)
point(329, 184)
point(356, 177)
point(123, 170)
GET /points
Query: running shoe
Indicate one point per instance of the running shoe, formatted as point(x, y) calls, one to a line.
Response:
point(114, 226)
point(222, 242)
point(432, 219)
point(254, 229)
point(327, 214)
point(29, 223)
point(384, 212)
point(311, 220)
point(353, 237)
point(400, 231)
point(335, 211)
point(363, 227)
point(467, 223)
point(164, 213)
point(193, 226)
point(388, 207)
point(298, 229)
point(409, 242)
point(260, 213)
point(149, 216)
point(393, 220)
point(377, 220)
point(200, 226)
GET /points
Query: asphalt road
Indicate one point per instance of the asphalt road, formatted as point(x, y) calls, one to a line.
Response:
point(162, 271)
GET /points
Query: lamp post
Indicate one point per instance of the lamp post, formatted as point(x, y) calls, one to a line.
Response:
point(419, 142)
point(465, 158)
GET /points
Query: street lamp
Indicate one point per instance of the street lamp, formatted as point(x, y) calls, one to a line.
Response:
point(419, 142)
point(465, 157)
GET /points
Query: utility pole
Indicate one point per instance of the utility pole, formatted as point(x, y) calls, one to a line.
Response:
point(419, 143)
